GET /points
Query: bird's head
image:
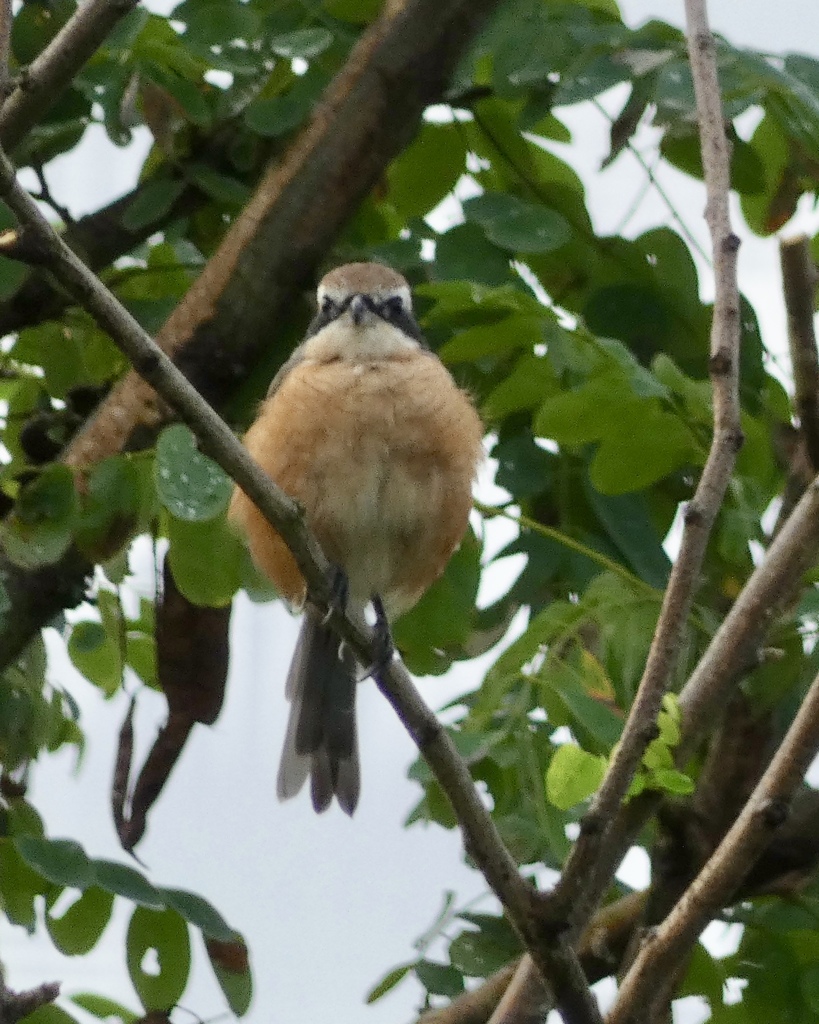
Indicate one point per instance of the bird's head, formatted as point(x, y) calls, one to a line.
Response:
point(364, 297)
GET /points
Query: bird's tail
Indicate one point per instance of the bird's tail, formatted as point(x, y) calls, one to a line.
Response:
point(321, 736)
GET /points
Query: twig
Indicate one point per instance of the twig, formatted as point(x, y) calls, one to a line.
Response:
point(6, 18)
point(15, 1006)
point(526, 999)
point(557, 962)
point(573, 896)
point(799, 280)
point(45, 196)
point(646, 983)
point(51, 71)
point(652, 182)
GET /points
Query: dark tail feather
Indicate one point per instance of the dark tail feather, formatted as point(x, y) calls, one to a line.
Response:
point(321, 732)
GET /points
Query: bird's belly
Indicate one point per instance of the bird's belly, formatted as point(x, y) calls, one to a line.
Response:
point(381, 456)
point(373, 511)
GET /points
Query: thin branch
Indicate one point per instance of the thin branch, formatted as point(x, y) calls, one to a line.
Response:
point(653, 182)
point(799, 280)
point(45, 196)
point(600, 950)
point(646, 983)
point(574, 896)
point(44, 80)
point(733, 649)
point(15, 1006)
point(526, 999)
point(558, 963)
point(6, 18)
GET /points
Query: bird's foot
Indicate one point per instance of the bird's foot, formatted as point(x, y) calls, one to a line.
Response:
point(383, 647)
point(339, 592)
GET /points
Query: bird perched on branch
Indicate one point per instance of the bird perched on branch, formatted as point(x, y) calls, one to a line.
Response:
point(368, 431)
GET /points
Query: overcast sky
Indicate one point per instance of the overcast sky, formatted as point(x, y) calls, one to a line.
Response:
point(327, 904)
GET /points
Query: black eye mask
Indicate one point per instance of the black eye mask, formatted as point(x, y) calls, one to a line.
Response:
point(391, 311)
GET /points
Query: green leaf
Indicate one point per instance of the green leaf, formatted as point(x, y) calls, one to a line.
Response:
point(478, 954)
point(222, 187)
point(96, 655)
point(442, 619)
point(641, 451)
point(589, 78)
point(628, 523)
point(189, 484)
point(61, 861)
point(810, 988)
point(216, 22)
point(50, 1014)
point(529, 383)
point(590, 412)
point(277, 115)
point(197, 911)
point(465, 253)
point(439, 979)
point(388, 983)
point(590, 714)
point(185, 92)
point(573, 775)
point(516, 225)
point(153, 202)
point(123, 880)
point(19, 885)
point(102, 1007)
point(230, 965)
point(358, 12)
point(40, 528)
point(672, 781)
point(79, 929)
point(498, 339)
point(203, 579)
point(427, 170)
point(163, 934)
point(305, 43)
point(112, 506)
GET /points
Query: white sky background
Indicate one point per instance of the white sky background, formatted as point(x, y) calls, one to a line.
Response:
point(327, 904)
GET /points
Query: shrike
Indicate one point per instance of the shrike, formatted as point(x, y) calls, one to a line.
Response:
point(366, 428)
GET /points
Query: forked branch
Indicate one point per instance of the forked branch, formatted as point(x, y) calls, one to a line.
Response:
point(646, 984)
point(575, 895)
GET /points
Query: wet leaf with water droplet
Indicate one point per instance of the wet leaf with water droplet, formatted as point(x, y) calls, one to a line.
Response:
point(189, 484)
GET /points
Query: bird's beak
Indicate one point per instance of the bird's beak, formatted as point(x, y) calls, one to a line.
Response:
point(358, 309)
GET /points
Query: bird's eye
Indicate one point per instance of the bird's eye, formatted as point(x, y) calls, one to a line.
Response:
point(327, 305)
point(392, 308)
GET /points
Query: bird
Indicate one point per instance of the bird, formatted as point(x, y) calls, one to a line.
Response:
point(367, 430)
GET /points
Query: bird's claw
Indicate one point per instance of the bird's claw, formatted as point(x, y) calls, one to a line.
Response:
point(383, 646)
point(339, 592)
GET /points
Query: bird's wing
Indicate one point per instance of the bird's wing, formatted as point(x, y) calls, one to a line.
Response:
point(294, 360)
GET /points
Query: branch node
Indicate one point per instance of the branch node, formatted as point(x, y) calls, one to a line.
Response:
point(731, 243)
point(146, 364)
point(775, 812)
point(591, 824)
point(721, 362)
point(25, 245)
point(693, 515)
